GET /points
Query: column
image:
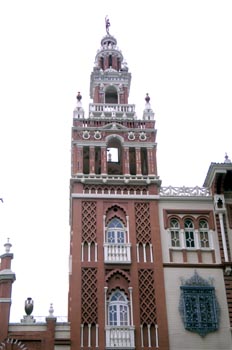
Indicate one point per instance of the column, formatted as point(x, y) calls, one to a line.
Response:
point(150, 161)
point(103, 161)
point(223, 237)
point(126, 169)
point(78, 160)
point(138, 161)
point(92, 160)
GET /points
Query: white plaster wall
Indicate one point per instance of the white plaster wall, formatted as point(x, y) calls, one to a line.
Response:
point(181, 339)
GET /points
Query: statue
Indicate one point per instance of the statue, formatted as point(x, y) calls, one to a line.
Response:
point(107, 21)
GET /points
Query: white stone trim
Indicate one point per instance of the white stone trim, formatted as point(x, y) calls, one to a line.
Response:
point(5, 300)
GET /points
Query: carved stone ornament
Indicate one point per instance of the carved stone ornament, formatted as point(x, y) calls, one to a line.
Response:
point(86, 135)
point(131, 135)
point(142, 136)
point(97, 135)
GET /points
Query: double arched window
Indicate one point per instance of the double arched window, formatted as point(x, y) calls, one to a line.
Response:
point(115, 233)
point(118, 310)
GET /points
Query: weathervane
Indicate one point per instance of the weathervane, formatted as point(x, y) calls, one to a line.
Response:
point(107, 21)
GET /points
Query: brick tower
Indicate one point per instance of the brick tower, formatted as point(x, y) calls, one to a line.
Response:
point(7, 277)
point(116, 292)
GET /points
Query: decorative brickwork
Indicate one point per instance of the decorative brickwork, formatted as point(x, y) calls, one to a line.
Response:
point(142, 222)
point(89, 221)
point(120, 190)
point(89, 310)
point(147, 297)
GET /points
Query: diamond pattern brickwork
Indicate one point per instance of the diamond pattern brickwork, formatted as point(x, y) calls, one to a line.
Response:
point(142, 222)
point(89, 310)
point(147, 297)
point(89, 221)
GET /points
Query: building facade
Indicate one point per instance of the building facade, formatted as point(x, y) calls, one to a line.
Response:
point(150, 266)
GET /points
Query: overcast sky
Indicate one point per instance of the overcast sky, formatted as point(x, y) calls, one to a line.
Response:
point(178, 51)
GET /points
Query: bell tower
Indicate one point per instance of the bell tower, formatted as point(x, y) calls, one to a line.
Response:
point(116, 287)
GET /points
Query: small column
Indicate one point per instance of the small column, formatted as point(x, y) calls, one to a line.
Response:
point(156, 336)
point(151, 168)
point(126, 165)
point(223, 237)
point(78, 160)
point(131, 305)
point(103, 161)
point(92, 159)
point(105, 290)
point(138, 161)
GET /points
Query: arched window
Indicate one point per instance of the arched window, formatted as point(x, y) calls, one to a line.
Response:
point(115, 232)
point(189, 233)
point(204, 234)
point(118, 311)
point(175, 233)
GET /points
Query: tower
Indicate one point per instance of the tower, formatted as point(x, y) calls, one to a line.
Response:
point(7, 277)
point(116, 293)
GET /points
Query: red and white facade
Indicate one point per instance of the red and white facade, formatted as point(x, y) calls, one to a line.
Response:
point(150, 266)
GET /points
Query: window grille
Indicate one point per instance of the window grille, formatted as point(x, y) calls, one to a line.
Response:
point(198, 306)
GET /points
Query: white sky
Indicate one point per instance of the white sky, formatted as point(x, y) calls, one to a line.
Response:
point(178, 51)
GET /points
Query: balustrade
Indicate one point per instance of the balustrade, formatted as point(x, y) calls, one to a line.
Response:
point(117, 253)
point(120, 337)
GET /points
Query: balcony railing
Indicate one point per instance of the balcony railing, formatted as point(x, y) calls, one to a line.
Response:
point(117, 253)
point(120, 337)
point(113, 107)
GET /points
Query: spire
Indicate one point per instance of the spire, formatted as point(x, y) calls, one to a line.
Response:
point(107, 21)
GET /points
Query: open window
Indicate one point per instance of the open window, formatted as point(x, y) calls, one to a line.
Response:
point(111, 95)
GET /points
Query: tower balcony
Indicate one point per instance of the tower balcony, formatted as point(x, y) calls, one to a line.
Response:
point(116, 179)
point(120, 337)
point(106, 110)
point(117, 253)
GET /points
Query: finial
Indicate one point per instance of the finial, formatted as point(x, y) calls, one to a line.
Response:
point(8, 245)
point(51, 310)
point(79, 97)
point(28, 306)
point(147, 98)
point(107, 22)
point(227, 159)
